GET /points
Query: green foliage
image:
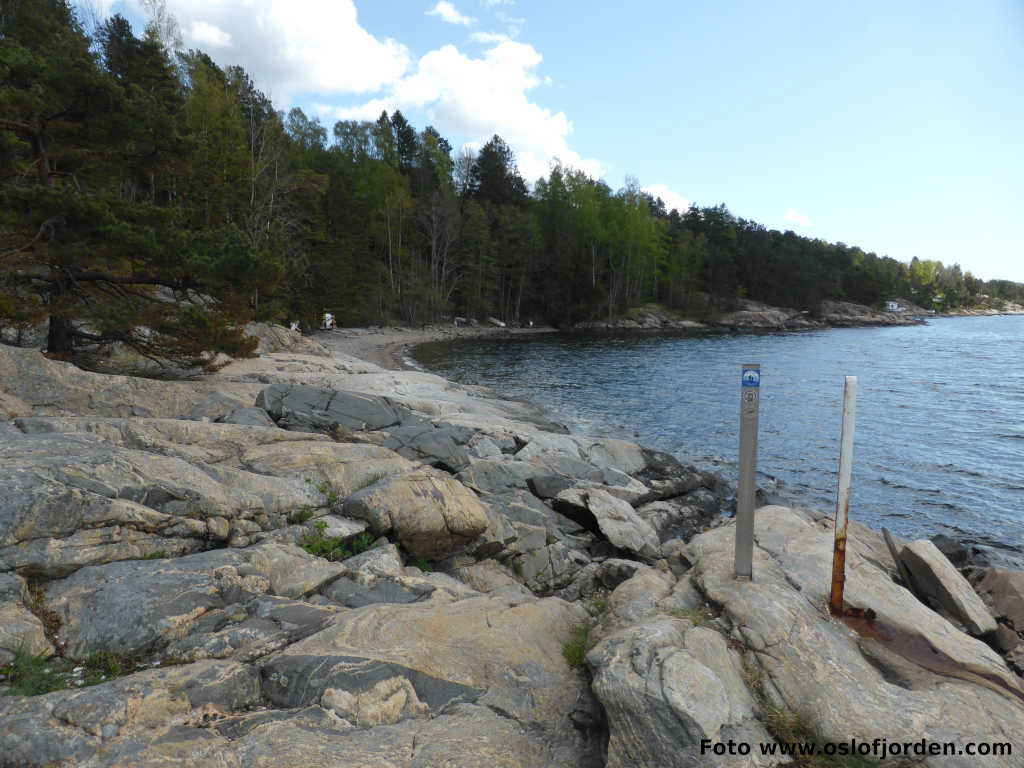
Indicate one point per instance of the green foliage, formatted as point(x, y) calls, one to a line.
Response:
point(100, 666)
point(421, 563)
point(792, 727)
point(300, 516)
point(597, 604)
point(575, 650)
point(331, 495)
point(37, 605)
point(159, 554)
point(30, 675)
point(699, 617)
point(334, 548)
point(161, 204)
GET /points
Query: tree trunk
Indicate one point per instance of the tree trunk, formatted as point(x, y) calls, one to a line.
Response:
point(59, 340)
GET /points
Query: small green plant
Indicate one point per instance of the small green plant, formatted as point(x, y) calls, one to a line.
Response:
point(419, 562)
point(369, 480)
point(699, 617)
point(101, 666)
point(301, 516)
point(334, 548)
point(791, 727)
point(332, 497)
point(160, 554)
point(575, 650)
point(37, 605)
point(31, 675)
point(597, 604)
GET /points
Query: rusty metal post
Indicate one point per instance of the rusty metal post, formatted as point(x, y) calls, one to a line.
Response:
point(750, 398)
point(835, 603)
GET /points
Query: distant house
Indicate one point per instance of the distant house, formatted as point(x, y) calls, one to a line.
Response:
point(893, 306)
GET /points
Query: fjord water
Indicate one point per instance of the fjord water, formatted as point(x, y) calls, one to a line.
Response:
point(939, 423)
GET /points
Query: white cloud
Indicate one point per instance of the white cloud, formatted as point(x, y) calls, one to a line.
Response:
point(670, 198)
point(493, 3)
point(318, 50)
point(208, 34)
point(489, 38)
point(293, 46)
point(480, 97)
point(800, 219)
point(447, 12)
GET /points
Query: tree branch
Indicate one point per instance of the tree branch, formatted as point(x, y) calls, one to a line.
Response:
point(45, 229)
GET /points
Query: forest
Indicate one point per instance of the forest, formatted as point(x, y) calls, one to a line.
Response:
point(154, 199)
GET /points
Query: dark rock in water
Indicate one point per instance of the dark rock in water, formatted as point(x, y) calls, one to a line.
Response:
point(951, 548)
point(314, 409)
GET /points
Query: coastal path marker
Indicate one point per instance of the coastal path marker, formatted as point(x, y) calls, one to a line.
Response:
point(750, 400)
point(835, 602)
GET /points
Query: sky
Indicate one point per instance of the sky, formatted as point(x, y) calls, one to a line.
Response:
point(894, 126)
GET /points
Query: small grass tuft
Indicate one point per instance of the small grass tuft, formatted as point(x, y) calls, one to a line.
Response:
point(597, 604)
point(575, 651)
point(160, 554)
point(30, 675)
point(699, 617)
point(793, 727)
point(300, 516)
point(422, 564)
point(369, 480)
point(334, 548)
point(50, 619)
point(101, 666)
point(329, 493)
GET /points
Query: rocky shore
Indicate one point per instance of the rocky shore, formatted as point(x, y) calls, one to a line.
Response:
point(754, 317)
point(307, 559)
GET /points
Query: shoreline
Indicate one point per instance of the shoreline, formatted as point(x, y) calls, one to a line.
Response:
point(390, 348)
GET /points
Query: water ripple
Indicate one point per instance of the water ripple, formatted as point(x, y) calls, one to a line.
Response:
point(939, 410)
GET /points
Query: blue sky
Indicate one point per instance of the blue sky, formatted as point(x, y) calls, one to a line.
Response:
point(893, 126)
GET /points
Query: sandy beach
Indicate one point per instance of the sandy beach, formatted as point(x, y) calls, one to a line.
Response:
point(387, 347)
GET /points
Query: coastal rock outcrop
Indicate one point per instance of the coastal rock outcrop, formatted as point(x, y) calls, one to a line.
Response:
point(491, 591)
point(937, 580)
point(904, 675)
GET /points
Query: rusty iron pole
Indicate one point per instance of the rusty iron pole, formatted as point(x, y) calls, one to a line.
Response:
point(835, 603)
point(750, 398)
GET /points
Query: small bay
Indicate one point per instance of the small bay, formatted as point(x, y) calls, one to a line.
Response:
point(939, 424)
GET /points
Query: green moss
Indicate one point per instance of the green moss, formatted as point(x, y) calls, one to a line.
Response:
point(160, 554)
